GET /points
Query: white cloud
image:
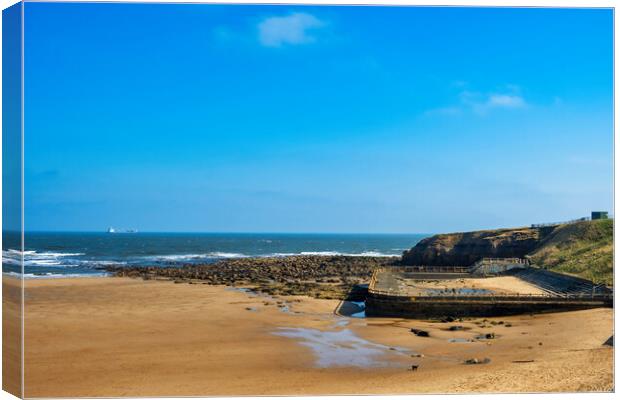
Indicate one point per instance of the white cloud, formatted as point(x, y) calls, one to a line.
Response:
point(292, 29)
point(505, 100)
point(482, 103)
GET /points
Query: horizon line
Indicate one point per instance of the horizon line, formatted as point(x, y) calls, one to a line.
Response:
point(221, 232)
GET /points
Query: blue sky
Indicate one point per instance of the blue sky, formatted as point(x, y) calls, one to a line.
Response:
point(315, 119)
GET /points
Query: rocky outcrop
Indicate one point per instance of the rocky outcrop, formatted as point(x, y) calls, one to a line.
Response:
point(465, 248)
point(582, 248)
point(318, 276)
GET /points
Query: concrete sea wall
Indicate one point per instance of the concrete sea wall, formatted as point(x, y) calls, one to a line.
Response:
point(436, 306)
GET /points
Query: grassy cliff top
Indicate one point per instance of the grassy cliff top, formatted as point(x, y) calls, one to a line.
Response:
point(584, 249)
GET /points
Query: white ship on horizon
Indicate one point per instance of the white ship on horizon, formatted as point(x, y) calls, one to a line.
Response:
point(113, 230)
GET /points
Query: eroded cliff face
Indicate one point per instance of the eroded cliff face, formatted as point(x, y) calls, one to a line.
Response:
point(466, 248)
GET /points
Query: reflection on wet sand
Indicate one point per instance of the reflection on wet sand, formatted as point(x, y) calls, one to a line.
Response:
point(344, 348)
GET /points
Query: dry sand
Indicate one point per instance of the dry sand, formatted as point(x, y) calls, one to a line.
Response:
point(127, 337)
point(11, 335)
point(502, 285)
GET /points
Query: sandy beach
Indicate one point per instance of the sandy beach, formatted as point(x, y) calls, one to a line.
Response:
point(129, 337)
point(503, 285)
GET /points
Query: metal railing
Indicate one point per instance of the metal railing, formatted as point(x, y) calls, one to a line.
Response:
point(572, 221)
point(430, 269)
point(501, 261)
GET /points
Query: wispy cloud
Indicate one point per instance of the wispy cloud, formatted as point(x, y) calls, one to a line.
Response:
point(293, 29)
point(483, 103)
point(505, 100)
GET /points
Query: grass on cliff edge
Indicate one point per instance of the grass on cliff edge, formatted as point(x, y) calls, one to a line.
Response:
point(584, 249)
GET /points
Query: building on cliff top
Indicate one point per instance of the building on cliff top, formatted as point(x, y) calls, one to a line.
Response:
point(600, 215)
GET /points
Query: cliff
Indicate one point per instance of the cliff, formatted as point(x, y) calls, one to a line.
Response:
point(465, 248)
point(584, 248)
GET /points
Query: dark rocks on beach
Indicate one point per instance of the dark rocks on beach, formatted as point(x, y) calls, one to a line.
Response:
point(485, 336)
point(419, 332)
point(458, 328)
point(328, 277)
point(414, 367)
point(472, 361)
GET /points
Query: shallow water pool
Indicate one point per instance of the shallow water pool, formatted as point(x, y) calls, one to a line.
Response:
point(343, 348)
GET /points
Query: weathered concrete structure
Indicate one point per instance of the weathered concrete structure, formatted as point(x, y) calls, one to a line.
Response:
point(434, 292)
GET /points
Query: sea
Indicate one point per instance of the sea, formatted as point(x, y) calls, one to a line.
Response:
point(71, 254)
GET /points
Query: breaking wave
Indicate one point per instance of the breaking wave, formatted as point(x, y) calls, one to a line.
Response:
point(49, 275)
point(55, 264)
point(190, 257)
point(34, 258)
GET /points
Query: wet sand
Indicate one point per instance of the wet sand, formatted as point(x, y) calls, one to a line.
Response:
point(129, 337)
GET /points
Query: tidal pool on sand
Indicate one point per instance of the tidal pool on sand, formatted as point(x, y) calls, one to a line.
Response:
point(343, 348)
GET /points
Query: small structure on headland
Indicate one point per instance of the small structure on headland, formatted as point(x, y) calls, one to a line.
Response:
point(489, 287)
point(599, 215)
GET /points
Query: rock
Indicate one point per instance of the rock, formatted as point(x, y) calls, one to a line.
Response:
point(457, 328)
point(467, 248)
point(419, 332)
point(486, 336)
point(472, 361)
point(414, 367)
point(609, 342)
point(295, 274)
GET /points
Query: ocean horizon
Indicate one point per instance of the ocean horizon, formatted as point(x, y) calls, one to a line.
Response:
point(71, 254)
